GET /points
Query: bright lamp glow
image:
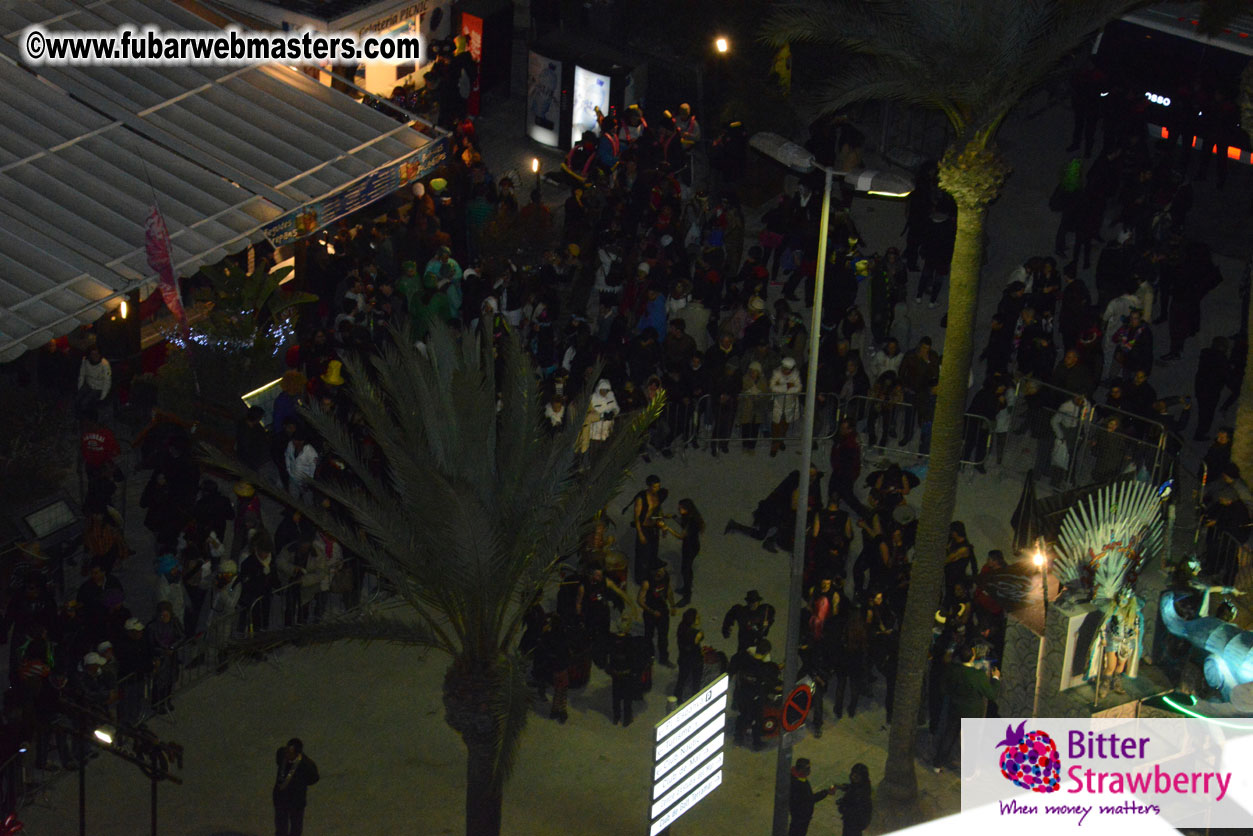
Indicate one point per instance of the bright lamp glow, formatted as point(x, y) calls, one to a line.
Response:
point(105, 735)
point(876, 193)
point(1038, 560)
point(722, 45)
point(535, 165)
point(123, 309)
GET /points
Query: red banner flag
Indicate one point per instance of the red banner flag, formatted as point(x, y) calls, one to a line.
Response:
point(160, 259)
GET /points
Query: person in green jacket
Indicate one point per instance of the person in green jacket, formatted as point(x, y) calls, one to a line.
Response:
point(967, 690)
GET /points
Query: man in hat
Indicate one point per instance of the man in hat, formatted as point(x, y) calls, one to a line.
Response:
point(752, 621)
point(92, 683)
point(135, 662)
point(755, 677)
point(296, 773)
point(581, 159)
point(757, 329)
point(802, 798)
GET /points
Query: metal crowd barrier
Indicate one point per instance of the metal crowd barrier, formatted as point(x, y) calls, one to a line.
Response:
point(748, 419)
point(1092, 451)
point(1232, 560)
point(896, 420)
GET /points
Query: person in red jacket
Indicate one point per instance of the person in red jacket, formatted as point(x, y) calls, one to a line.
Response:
point(100, 453)
point(846, 467)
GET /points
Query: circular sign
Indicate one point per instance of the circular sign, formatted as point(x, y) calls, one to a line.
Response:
point(796, 707)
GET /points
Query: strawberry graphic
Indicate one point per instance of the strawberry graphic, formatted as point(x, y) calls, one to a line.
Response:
point(1030, 759)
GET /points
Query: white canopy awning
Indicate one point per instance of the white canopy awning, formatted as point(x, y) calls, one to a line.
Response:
point(85, 152)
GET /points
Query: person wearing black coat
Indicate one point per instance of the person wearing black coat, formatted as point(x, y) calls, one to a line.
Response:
point(855, 805)
point(1213, 372)
point(296, 773)
point(986, 403)
point(802, 798)
point(252, 440)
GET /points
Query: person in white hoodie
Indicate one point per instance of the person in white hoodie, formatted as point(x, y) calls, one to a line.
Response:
point(302, 462)
point(1065, 425)
point(95, 379)
point(785, 385)
point(598, 422)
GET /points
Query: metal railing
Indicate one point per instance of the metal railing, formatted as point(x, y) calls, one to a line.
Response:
point(1229, 560)
point(27, 775)
point(349, 585)
point(1079, 448)
point(748, 419)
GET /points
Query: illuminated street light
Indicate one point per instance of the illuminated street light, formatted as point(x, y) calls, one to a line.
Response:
point(1038, 560)
point(722, 45)
point(798, 159)
point(105, 735)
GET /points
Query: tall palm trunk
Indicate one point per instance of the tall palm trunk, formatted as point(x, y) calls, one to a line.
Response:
point(973, 178)
point(469, 689)
point(1242, 442)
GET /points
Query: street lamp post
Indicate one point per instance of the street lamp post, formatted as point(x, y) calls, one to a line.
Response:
point(797, 158)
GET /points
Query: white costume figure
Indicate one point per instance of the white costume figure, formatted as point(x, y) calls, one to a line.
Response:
point(786, 382)
point(598, 422)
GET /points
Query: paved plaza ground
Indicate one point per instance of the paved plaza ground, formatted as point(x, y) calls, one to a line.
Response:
point(372, 717)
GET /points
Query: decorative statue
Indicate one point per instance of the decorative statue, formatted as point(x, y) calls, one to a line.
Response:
point(1102, 545)
point(1122, 519)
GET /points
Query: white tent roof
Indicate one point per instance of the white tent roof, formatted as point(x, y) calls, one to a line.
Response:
point(84, 150)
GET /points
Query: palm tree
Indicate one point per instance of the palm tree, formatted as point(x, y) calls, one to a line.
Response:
point(464, 512)
point(1242, 441)
point(973, 60)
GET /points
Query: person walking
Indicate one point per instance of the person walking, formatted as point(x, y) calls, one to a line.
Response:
point(802, 798)
point(296, 773)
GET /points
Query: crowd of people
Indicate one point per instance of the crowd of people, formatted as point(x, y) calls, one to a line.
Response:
point(653, 278)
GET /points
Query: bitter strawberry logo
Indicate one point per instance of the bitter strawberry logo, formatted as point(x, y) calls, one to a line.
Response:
point(1030, 759)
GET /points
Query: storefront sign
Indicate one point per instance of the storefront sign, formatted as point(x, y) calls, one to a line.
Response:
point(405, 15)
point(358, 194)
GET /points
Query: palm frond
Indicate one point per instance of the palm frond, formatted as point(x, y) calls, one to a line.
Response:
point(971, 59)
point(510, 704)
point(363, 626)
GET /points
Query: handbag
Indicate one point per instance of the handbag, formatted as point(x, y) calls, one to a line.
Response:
point(770, 240)
point(1060, 457)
